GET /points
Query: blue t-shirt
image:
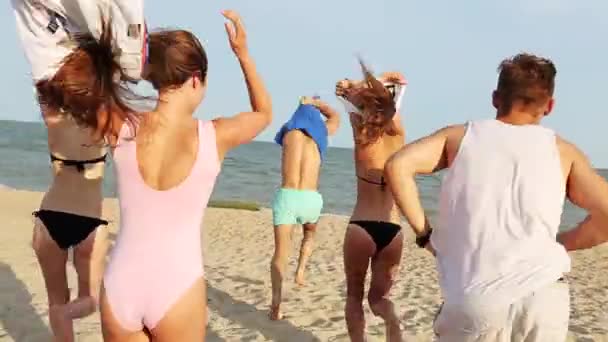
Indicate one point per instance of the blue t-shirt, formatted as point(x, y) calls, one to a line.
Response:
point(306, 118)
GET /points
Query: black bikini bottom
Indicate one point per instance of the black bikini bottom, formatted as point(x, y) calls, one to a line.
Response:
point(68, 230)
point(381, 232)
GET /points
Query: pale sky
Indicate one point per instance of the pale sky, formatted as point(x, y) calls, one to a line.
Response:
point(448, 51)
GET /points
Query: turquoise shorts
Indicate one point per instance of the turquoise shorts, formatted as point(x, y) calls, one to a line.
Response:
point(291, 206)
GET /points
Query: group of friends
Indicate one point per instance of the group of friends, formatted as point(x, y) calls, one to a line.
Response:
point(502, 261)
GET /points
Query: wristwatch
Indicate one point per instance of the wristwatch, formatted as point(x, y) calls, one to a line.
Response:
point(424, 239)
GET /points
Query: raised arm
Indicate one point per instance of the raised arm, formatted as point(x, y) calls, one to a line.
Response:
point(397, 78)
point(396, 127)
point(589, 191)
point(243, 127)
point(332, 116)
point(349, 88)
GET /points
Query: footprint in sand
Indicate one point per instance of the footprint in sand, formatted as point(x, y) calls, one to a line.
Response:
point(410, 314)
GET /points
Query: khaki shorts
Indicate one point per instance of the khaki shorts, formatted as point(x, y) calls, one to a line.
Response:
point(540, 317)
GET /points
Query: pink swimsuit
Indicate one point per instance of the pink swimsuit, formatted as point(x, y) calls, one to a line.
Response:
point(157, 256)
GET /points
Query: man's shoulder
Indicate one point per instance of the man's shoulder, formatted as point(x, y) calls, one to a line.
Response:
point(565, 146)
point(568, 151)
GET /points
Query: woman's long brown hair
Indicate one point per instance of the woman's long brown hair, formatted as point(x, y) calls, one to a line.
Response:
point(377, 109)
point(89, 87)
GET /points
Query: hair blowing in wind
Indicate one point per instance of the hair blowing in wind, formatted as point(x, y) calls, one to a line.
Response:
point(377, 108)
point(89, 87)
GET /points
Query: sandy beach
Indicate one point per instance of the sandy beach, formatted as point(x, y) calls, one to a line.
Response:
point(237, 251)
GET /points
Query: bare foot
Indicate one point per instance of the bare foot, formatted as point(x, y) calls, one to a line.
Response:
point(300, 278)
point(275, 313)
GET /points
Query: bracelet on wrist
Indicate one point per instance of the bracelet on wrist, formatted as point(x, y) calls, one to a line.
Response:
point(424, 239)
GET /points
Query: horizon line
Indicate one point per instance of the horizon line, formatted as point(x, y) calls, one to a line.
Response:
point(254, 141)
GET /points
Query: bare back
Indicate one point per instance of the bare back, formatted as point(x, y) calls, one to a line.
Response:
point(166, 151)
point(71, 190)
point(374, 201)
point(301, 161)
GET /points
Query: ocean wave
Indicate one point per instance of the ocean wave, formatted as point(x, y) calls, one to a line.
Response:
point(5, 187)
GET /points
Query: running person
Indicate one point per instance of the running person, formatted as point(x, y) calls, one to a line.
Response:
point(373, 233)
point(501, 269)
point(58, 38)
point(304, 142)
point(166, 164)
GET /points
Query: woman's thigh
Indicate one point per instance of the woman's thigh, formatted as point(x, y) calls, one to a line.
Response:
point(89, 262)
point(112, 330)
point(186, 320)
point(358, 248)
point(385, 266)
point(52, 260)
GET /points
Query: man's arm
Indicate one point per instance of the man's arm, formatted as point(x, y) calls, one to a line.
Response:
point(423, 156)
point(589, 191)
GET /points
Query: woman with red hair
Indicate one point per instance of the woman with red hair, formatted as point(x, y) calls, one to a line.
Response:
point(75, 57)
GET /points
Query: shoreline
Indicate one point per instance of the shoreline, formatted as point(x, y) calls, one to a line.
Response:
point(232, 204)
point(237, 247)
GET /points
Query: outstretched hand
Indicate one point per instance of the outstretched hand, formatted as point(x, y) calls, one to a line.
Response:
point(315, 101)
point(237, 36)
point(341, 87)
point(350, 91)
point(393, 77)
point(346, 86)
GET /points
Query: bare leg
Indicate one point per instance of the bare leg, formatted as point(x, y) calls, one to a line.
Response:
point(89, 260)
point(358, 248)
point(52, 260)
point(187, 318)
point(309, 230)
point(384, 269)
point(282, 245)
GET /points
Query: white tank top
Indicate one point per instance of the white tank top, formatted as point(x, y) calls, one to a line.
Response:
point(500, 208)
point(44, 28)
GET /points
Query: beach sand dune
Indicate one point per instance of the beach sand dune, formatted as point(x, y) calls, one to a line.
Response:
point(238, 247)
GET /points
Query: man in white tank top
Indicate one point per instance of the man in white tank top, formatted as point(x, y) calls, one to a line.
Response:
point(500, 264)
point(45, 28)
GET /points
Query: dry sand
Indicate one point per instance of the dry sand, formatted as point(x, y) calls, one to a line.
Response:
point(238, 247)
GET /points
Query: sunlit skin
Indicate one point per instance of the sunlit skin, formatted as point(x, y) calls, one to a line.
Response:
point(300, 166)
point(373, 203)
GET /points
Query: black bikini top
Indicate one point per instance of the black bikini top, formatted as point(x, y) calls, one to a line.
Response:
point(78, 164)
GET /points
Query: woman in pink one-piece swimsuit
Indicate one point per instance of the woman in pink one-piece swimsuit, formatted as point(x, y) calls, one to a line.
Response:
point(166, 165)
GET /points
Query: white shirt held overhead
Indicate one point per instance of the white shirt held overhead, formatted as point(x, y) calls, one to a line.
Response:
point(45, 29)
